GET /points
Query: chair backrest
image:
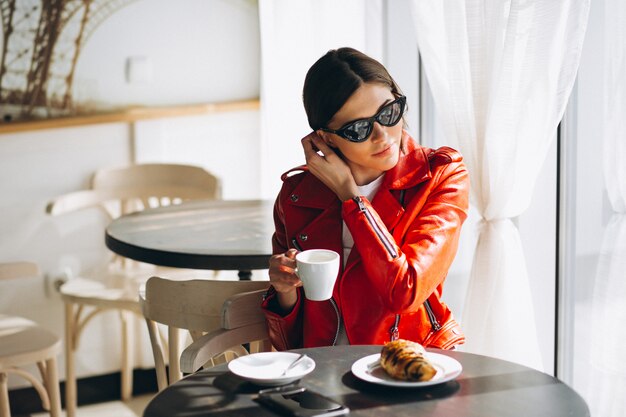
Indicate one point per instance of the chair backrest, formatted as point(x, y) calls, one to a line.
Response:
point(10, 270)
point(118, 191)
point(167, 180)
point(135, 187)
point(243, 322)
point(194, 305)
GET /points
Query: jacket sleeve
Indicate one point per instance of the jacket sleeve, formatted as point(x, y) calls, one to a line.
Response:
point(285, 331)
point(406, 274)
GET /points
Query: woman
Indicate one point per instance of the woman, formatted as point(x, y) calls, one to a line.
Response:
point(391, 208)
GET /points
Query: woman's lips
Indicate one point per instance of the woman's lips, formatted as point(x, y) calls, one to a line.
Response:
point(384, 152)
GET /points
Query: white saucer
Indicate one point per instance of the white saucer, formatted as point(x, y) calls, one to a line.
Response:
point(266, 368)
point(369, 369)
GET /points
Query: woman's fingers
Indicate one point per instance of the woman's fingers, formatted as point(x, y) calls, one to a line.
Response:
point(320, 165)
point(319, 143)
point(282, 271)
point(312, 143)
point(329, 168)
point(310, 150)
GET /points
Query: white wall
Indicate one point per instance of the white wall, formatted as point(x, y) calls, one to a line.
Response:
point(227, 144)
point(197, 51)
point(200, 51)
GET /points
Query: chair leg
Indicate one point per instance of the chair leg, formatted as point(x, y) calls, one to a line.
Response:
point(157, 353)
point(173, 338)
point(5, 410)
point(70, 345)
point(52, 386)
point(127, 352)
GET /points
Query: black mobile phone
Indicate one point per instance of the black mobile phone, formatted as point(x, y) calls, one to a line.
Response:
point(300, 402)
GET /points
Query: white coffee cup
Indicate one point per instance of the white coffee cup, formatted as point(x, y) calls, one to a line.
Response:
point(317, 269)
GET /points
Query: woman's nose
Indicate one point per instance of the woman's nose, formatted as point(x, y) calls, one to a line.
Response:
point(378, 131)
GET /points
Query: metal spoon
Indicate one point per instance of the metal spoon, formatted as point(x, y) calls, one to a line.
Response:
point(294, 363)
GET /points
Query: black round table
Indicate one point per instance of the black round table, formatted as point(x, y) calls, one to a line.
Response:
point(486, 387)
point(212, 234)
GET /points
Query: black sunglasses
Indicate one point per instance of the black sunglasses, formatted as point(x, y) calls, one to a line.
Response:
point(361, 129)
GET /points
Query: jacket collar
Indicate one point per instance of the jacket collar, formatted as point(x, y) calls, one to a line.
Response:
point(412, 167)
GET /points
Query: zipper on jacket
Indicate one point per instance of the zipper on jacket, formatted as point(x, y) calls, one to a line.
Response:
point(383, 238)
point(394, 332)
point(332, 302)
point(431, 317)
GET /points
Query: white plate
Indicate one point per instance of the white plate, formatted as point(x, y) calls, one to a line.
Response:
point(266, 368)
point(369, 369)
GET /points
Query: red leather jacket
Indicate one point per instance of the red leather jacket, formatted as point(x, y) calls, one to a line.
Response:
point(404, 243)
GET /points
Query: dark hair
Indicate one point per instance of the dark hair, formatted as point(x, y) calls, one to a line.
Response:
point(334, 77)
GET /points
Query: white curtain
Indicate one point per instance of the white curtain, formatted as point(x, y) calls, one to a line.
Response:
point(607, 382)
point(501, 73)
point(615, 104)
point(294, 34)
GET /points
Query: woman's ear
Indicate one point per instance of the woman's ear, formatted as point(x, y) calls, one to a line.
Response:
point(326, 137)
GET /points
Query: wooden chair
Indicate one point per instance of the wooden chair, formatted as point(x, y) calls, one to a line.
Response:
point(196, 306)
point(23, 342)
point(120, 191)
point(242, 322)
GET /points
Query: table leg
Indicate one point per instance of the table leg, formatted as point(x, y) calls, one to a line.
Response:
point(245, 275)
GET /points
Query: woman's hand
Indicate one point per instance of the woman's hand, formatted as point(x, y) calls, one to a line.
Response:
point(283, 277)
point(329, 167)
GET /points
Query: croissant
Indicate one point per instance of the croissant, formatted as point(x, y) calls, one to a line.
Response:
point(404, 359)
